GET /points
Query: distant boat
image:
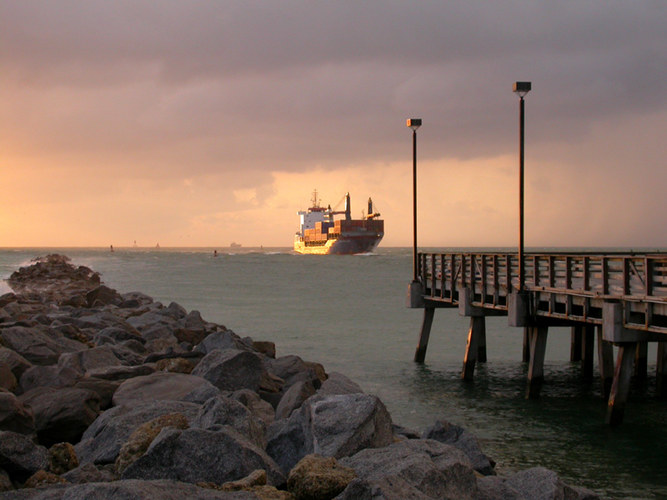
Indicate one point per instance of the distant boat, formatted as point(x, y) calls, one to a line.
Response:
point(320, 233)
point(233, 244)
point(157, 246)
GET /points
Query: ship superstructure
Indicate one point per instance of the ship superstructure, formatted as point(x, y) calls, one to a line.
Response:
point(321, 233)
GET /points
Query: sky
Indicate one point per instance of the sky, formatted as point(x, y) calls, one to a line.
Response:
point(203, 123)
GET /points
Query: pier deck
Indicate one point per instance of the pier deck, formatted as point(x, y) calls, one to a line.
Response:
point(621, 296)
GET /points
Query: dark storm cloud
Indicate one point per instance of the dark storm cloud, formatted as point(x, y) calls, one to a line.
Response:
point(289, 84)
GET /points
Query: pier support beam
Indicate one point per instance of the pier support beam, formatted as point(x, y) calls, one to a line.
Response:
point(538, 345)
point(605, 362)
point(525, 353)
point(641, 361)
point(575, 343)
point(661, 371)
point(476, 338)
point(420, 353)
point(587, 351)
point(621, 384)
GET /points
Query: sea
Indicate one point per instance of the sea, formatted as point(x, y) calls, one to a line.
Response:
point(349, 313)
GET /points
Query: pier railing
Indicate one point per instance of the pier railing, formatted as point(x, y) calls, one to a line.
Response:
point(563, 285)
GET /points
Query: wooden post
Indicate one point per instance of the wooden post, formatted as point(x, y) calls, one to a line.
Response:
point(620, 387)
point(538, 345)
point(477, 329)
point(641, 361)
point(526, 345)
point(661, 370)
point(481, 344)
point(587, 351)
point(575, 343)
point(420, 353)
point(605, 362)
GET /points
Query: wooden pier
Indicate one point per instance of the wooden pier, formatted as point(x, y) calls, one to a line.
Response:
point(618, 299)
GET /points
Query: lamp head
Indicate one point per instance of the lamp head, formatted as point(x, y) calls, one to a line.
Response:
point(414, 123)
point(521, 88)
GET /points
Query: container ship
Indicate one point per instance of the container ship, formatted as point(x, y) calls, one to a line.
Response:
point(320, 233)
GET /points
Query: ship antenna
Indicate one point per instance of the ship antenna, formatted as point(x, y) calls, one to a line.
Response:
point(316, 203)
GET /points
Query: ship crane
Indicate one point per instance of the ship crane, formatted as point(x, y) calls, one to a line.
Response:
point(371, 214)
point(347, 212)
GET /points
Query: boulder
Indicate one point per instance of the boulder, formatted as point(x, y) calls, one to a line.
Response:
point(496, 488)
point(15, 416)
point(465, 441)
point(221, 410)
point(62, 414)
point(257, 406)
point(89, 359)
point(62, 458)
point(265, 347)
point(220, 340)
point(231, 369)
point(151, 319)
point(116, 335)
point(195, 455)
point(130, 489)
point(47, 376)
point(337, 383)
point(318, 477)
point(120, 373)
point(20, 457)
point(140, 440)
point(434, 469)
point(103, 295)
point(7, 378)
point(544, 484)
point(17, 363)
point(5, 481)
point(162, 385)
point(39, 344)
point(332, 426)
point(385, 488)
point(101, 442)
point(43, 478)
point(292, 369)
point(294, 398)
point(89, 473)
point(175, 365)
point(103, 388)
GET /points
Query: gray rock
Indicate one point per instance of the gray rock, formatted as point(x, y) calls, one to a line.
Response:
point(89, 359)
point(465, 441)
point(17, 363)
point(386, 488)
point(103, 295)
point(222, 410)
point(88, 473)
point(294, 398)
point(332, 426)
point(434, 469)
point(161, 385)
point(220, 340)
point(8, 381)
point(14, 416)
point(175, 311)
point(496, 488)
point(337, 383)
point(103, 388)
point(195, 455)
point(39, 345)
point(293, 369)
point(5, 481)
point(231, 369)
point(131, 489)
point(47, 376)
point(539, 483)
point(20, 457)
point(149, 320)
point(116, 335)
point(101, 442)
point(257, 406)
point(62, 414)
point(120, 372)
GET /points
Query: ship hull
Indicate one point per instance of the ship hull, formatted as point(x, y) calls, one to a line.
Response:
point(345, 245)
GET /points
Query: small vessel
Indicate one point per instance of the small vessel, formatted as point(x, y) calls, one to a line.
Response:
point(233, 244)
point(320, 233)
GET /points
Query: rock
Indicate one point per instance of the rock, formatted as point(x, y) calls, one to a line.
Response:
point(17, 363)
point(434, 469)
point(265, 347)
point(38, 344)
point(103, 388)
point(7, 378)
point(337, 383)
point(333, 426)
point(120, 372)
point(294, 398)
point(42, 478)
point(496, 488)
point(385, 488)
point(103, 295)
point(231, 369)
point(465, 441)
point(161, 385)
point(101, 442)
point(150, 320)
point(47, 376)
point(292, 369)
point(62, 458)
point(130, 489)
point(5, 481)
point(62, 414)
point(141, 438)
point(19, 456)
point(255, 478)
point(257, 406)
point(89, 359)
point(317, 477)
point(15, 416)
point(88, 473)
point(116, 335)
point(194, 455)
point(540, 483)
point(175, 365)
point(222, 410)
point(220, 340)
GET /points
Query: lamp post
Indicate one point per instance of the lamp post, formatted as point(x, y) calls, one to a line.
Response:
point(521, 89)
point(414, 124)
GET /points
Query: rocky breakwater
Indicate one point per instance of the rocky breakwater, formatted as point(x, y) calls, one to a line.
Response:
point(110, 395)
